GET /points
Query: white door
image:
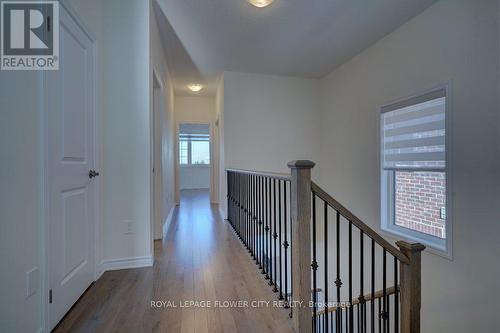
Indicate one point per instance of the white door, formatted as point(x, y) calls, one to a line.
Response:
point(69, 100)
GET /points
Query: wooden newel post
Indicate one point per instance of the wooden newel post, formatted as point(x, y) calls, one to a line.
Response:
point(300, 196)
point(410, 289)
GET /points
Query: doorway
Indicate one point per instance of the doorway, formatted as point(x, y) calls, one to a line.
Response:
point(194, 157)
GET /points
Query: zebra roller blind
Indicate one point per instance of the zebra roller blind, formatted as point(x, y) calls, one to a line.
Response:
point(413, 133)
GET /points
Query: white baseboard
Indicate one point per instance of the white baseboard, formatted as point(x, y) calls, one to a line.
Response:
point(99, 271)
point(222, 212)
point(125, 263)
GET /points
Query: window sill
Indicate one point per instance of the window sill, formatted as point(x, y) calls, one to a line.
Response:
point(195, 166)
point(433, 245)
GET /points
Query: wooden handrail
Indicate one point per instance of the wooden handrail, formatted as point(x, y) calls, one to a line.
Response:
point(275, 175)
point(358, 223)
point(368, 297)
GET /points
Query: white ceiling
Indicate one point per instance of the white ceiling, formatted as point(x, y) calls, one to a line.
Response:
point(304, 38)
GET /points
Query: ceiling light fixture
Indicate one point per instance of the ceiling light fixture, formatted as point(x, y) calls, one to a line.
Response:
point(261, 3)
point(195, 87)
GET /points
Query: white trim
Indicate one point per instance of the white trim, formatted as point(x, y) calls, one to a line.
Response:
point(126, 263)
point(168, 220)
point(156, 86)
point(99, 271)
point(387, 227)
point(73, 13)
point(222, 212)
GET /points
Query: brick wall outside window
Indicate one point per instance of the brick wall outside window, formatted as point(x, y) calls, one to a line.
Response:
point(419, 198)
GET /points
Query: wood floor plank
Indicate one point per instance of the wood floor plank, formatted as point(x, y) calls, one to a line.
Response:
point(199, 259)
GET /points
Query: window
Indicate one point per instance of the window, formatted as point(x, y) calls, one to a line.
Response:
point(413, 169)
point(194, 148)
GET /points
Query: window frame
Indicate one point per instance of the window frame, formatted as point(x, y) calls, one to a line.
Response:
point(189, 149)
point(435, 245)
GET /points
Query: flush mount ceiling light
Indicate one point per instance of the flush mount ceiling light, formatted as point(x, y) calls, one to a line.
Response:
point(261, 3)
point(195, 87)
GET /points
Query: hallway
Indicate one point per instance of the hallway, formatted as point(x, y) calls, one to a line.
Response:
point(200, 259)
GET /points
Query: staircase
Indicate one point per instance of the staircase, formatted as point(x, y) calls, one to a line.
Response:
point(330, 270)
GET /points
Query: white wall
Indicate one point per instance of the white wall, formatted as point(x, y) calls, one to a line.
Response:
point(194, 109)
point(269, 121)
point(194, 177)
point(126, 137)
point(20, 200)
point(164, 130)
point(453, 40)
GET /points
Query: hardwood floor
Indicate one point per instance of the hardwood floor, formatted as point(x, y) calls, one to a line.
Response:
point(199, 259)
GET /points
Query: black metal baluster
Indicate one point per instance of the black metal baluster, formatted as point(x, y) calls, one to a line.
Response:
point(234, 200)
point(233, 194)
point(249, 214)
point(314, 263)
point(384, 290)
point(261, 230)
point(280, 221)
point(361, 279)
point(285, 245)
point(228, 196)
point(245, 225)
point(373, 288)
point(244, 220)
point(255, 217)
point(239, 204)
point(325, 219)
point(251, 217)
point(388, 313)
point(256, 224)
point(338, 281)
point(242, 205)
point(264, 217)
point(396, 297)
point(291, 250)
point(380, 314)
point(351, 315)
point(271, 209)
point(247, 237)
point(275, 238)
point(268, 214)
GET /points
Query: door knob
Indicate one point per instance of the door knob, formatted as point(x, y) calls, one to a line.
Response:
point(93, 173)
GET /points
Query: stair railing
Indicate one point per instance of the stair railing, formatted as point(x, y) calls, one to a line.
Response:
point(309, 247)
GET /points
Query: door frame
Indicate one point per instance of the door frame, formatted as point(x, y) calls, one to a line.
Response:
point(213, 177)
point(43, 159)
point(156, 91)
